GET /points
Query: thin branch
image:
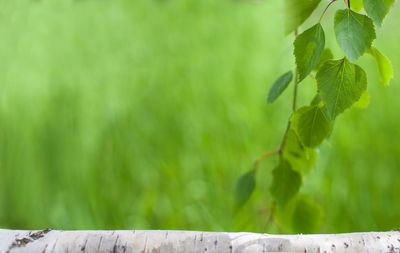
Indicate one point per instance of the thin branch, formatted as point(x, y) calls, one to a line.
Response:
point(294, 105)
point(285, 135)
point(296, 84)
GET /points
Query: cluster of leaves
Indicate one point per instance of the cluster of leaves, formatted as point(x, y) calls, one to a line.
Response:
point(340, 83)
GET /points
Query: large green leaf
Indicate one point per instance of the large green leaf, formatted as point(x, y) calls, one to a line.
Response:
point(384, 65)
point(354, 33)
point(307, 215)
point(377, 9)
point(340, 85)
point(296, 12)
point(279, 86)
point(300, 157)
point(311, 125)
point(308, 48)
point(244, 188)
point(286, 183)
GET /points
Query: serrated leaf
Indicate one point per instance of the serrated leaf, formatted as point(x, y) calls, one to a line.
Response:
point(326, 56)
point(384, 65)
point(340, 85)
point(307, 215)
point(356, 5)
point(300, 157)
point(363, 102)
point(244, 188)
point(354, 33)
point(279, 86)
point(286, 183)
point(377, 9)
point(317, 101)
point(311, 125)
point(296, 12)
point(308, 48)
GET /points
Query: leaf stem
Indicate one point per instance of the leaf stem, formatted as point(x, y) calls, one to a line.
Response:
point(285, 135)
point(264, 156)
point(327, 7)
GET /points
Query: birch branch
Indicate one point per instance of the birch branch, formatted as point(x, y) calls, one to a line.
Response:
point(154, 241)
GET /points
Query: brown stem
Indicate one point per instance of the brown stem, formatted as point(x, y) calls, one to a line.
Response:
point(327, 7)
point(264, 156)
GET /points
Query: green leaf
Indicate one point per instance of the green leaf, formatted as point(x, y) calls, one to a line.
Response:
point(311, 125)
point(384, 65)
point(285, 183)
point(279, 86)
point(300, 158)
point(326, 56)
point(307, 215)
point(296, 12)
point(354, 33)
point(316, 100)
point(377, 9)
point(340, 85)
point(308, 48)
point(356, 5)
point(363, 102)
point(244, 188)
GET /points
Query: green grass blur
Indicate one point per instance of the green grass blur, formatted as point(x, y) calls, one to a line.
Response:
point(142, 114)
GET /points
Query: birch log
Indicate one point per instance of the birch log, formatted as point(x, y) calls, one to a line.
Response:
point(153, 241)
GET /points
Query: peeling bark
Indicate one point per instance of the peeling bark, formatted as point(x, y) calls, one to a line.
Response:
point(154, 241)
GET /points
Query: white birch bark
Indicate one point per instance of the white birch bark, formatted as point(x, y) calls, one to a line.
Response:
point(154, 241)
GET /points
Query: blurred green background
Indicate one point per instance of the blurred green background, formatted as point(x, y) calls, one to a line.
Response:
point(142, 114)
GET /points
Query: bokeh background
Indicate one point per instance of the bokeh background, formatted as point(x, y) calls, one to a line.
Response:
point(142, 114)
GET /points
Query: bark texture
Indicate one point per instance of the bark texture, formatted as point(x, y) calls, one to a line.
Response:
point(153, 241)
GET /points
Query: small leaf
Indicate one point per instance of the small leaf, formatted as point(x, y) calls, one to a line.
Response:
point(311, 125)
point(356, 5)
point(279, 86)
point(300, 157)
point(340, 85)
point(296, 12)
point(308, 48)
point(326, 56)
point(363, 102)
point(377, 9)
point(285, 183)
point(354, 33)
point(384, 65)
point(244, 188)
point(307, 215)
